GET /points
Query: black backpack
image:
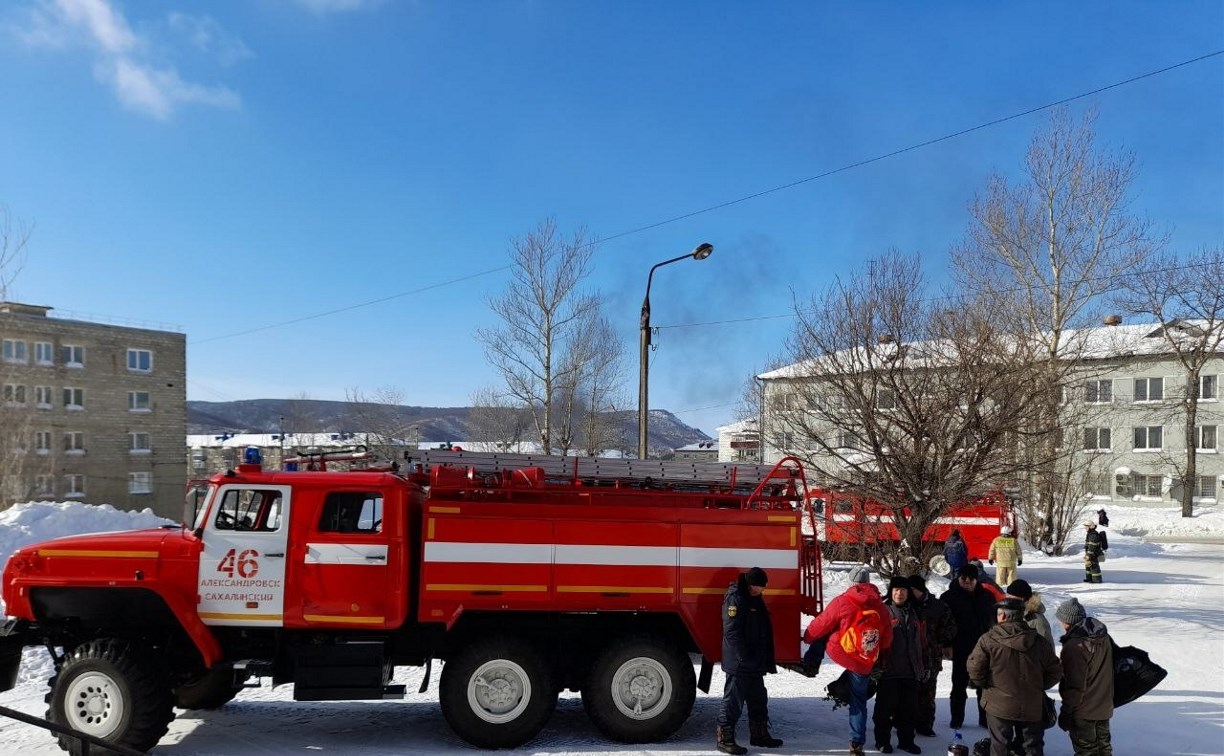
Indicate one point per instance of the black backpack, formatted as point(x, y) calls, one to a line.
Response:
point(1134, 673)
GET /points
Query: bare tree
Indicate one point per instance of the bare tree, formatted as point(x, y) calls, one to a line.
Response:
point(1046, 247)
point(496, 422)
point(1187, 298)
point(601, 385)
point(542, 315)
point(14, 236)
point(912, 401)
point(380, 419)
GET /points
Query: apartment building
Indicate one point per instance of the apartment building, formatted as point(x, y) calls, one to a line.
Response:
point(1124, 413)
point(91, 412)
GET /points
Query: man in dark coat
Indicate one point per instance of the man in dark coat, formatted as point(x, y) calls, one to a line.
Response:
point(940, 635)
point(1093, 551)
point(901, 667)
point(1087, 687)
point(973, 609)
point(747, 656)
point(1013, 666)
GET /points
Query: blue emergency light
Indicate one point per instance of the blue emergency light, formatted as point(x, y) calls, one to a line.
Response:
point(251, 456)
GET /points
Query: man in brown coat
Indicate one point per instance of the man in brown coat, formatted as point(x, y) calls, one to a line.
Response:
point(1013, 666)
point(1087, 687)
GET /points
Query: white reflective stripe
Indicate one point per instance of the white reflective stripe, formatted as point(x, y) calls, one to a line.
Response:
point(743, 558)
point(652, 556)
point(649, 556)
point(489, 553)
point(346, 553)
point(967, 520)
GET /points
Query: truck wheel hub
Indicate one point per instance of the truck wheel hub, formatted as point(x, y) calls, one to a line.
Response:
point(94, 704)
point(499, 691)
point(640, 688)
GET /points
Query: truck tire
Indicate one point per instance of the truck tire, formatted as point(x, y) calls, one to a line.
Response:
point(497, 692)
point(211, 690)
point(641, 690)
point(112, 690)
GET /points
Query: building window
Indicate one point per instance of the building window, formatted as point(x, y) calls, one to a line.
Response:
point(42, 442)
point(1149, 389)
point(1208, 386)
point(1205, 437)
point(1098, 484)
point(1097, 439)
point(140, 360)
point(1205, 487)
point(886, 399)
point(42, 397)
point(1098, 392)
point(44, 353)
point(74, 442)
point(1148, 485)
point(138, 401)
point(140, 483)
point(74, 356)
point(17, 442)
point(74, 398)
point(44, 485)
point(14, 394)
point(75, 483)
point(1149, 438)
point(139, 443)
point(198, 459)
point(15, 351)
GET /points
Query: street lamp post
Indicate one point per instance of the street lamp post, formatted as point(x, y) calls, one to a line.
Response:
point(700, 252)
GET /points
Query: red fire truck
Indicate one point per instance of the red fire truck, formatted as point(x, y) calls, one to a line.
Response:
point(848, 525)
point(525, 575)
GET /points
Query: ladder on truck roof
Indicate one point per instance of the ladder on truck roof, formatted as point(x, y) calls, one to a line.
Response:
point(674, 474)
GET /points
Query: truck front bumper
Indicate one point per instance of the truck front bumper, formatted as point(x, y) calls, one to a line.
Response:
point(15, 635)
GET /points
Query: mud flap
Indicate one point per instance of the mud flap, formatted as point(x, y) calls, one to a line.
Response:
point(425, 680)
point(703, 679)
point(14, 636)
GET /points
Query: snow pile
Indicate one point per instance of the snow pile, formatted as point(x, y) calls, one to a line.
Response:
point(1165, 521)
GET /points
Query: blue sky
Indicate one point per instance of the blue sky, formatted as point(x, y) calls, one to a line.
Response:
point(229, 166)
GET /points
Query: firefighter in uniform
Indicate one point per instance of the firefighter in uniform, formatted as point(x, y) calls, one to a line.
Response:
point(1093, 551)
point(747, 656)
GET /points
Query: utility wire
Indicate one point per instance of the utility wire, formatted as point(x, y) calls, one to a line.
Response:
point(739, 200)
point(941, 297)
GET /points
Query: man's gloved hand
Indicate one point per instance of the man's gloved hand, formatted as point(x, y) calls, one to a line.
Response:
point(990, 560)
point(1065, 720)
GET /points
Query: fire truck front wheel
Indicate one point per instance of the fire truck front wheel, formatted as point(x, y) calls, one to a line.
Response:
point(111, 690)
point(497, 692)
point(641, 690)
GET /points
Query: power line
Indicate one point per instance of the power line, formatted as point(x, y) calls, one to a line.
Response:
point(942, 297)
point(739, 200)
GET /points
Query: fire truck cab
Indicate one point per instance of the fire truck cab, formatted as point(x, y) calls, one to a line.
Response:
point(525, 575)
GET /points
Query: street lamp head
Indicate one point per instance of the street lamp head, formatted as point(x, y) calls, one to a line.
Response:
point(703, 250)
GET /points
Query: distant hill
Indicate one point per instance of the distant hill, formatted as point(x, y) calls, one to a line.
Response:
point(431, 423)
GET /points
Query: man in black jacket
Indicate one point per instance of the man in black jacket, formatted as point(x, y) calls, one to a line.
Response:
point(747, 656)
point(973, 607)
point(940, 634)
point(900, 669)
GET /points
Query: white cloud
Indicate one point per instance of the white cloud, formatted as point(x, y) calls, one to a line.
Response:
point(157, 92)
point(207, 36)
point(122, 56)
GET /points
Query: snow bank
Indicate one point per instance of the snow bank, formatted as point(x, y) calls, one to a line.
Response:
point(1165, 521)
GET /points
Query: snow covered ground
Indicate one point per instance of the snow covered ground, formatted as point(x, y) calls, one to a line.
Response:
point(1167, 598)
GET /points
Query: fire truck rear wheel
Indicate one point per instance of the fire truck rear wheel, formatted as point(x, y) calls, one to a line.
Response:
point(641, 690)
point(211, 690)
point(112, 690)
point(498, 692)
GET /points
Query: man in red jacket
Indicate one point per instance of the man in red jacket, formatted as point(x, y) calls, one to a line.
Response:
point(859, 629)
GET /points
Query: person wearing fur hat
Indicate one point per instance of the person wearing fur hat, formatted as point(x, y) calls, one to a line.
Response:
point(856, 630)
point(899, 671)
point(1014, 666)
point(1006, 555)
point(1087, 687)
point(747, 656)
point(940, 634)
point(1093, 549)
point(972, 607)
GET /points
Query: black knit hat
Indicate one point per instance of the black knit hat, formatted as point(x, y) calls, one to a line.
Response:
point(917, 582)
point(756, 576)
point(897, 581)
point(1020, 589)
point(968, 571)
